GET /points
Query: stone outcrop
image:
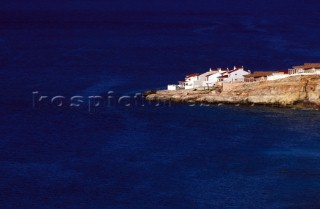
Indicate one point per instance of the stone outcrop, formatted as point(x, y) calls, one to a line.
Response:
point(295, 91)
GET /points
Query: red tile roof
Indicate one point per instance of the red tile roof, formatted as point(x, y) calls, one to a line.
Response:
point(282, 71)
point(308, 65)
point(258, 74)
point(211, 74)
point(224, 76)
point(192, 75)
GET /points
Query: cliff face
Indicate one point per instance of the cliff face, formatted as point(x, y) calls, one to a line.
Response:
point(297, 90)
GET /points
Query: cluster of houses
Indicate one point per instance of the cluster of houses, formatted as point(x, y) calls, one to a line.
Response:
point(239, 74)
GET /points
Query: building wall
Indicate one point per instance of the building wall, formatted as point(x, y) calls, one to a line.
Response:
point(172, 87)
point(189, 81)
point(212, 79)
point(203, 77)
point(277, 76)
point(192, 82)
point(304, 72)
point(236, 76)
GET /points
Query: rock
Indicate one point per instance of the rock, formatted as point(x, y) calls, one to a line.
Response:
point(149, 92)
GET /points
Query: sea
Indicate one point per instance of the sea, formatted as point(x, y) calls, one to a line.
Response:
point(74, 135)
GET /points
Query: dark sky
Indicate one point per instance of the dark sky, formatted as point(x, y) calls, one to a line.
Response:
point(162, 5)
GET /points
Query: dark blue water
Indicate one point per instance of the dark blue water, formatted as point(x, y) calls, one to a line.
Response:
point(152, 157)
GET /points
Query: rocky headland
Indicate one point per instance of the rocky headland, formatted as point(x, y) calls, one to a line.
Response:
point(296, 92)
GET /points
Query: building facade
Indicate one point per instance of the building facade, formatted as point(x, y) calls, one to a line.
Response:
point(280, 74)
point(192, 81)
point(234, 76)
point(212, 78)
point(307, 68)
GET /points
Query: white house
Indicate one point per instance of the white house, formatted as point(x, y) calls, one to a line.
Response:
point(204, 77)
point(235, 75)
point(212, 77)
point(207, 79)
point(307, 68)
point(192, 81)
point(174, 87)
point(202, 80)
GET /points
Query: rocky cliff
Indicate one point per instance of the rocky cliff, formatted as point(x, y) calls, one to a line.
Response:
point(296, 91)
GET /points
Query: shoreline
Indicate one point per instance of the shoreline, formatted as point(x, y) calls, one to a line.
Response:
point(298, 92)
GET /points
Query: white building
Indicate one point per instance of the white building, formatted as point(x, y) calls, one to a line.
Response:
point(235, 75)
point(307, 68)
point(203, 80)
point(192, 81)
point(278, 75)
point(203, 76)
point(174, 87)
point(212, 77)
point(209, 79)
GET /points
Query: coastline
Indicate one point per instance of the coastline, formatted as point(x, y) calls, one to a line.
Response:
point(300, 92)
